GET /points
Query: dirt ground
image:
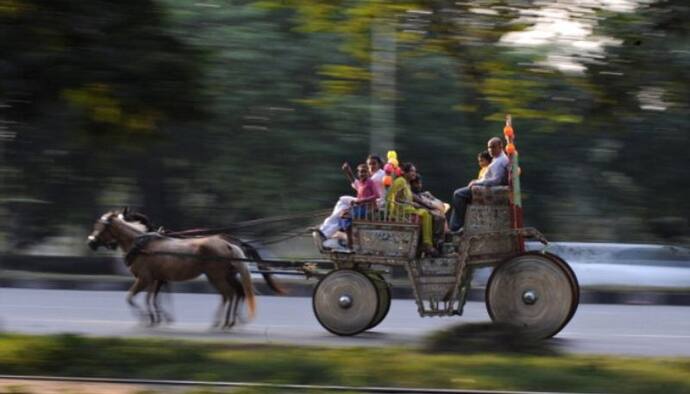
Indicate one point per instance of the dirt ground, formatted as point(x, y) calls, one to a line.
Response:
point(54, 387)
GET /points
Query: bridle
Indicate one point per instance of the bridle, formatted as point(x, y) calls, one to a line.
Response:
point(95, 241)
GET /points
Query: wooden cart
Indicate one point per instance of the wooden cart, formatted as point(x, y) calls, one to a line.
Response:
point(536, 291)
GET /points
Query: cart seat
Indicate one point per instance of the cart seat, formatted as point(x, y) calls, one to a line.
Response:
point(494, 195)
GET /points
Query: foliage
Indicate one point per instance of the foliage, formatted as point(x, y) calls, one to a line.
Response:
point(202, 360)
point(205, 114)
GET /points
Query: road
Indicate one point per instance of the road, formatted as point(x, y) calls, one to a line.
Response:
point(649, 330)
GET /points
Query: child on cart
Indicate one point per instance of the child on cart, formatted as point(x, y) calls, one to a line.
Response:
point(367, 194)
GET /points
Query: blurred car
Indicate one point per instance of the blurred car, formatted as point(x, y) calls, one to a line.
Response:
point(617, 266)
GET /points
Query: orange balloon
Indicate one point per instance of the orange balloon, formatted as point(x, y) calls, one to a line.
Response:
point(510, 149)
point(387, 180)
point(508, 132)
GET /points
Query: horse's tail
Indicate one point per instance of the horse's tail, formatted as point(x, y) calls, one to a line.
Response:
point(245, 278)
point(253, 254)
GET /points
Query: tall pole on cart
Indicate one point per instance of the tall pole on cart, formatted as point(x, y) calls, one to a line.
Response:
point(514, 181)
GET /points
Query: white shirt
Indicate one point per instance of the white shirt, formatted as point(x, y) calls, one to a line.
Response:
point(377, 177)
point(497, 174)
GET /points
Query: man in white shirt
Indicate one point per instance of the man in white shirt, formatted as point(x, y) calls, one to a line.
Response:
point(375, 165)
point(496, 175)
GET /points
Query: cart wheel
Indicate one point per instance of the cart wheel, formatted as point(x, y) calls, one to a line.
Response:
point(533, 291)
point(384, 293)
point(345, 302)
point(573, 282)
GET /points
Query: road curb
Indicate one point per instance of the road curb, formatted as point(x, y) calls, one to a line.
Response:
point(265, 386)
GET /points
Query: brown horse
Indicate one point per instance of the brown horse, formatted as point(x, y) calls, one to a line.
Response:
point(249, 250)
point(162, 259)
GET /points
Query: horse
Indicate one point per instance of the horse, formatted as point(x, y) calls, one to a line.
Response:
point(154, 260)
point(248, 249)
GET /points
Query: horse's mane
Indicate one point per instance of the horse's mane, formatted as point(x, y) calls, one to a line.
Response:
point(139, 217)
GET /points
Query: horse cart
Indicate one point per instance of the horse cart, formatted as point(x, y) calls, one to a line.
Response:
point(534, 290)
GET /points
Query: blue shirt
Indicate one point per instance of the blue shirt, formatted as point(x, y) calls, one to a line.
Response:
point(497, 174)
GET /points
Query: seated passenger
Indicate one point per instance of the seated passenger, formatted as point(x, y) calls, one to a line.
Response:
point(376, 173)
point(366, 192)
point(483, 159)
point(437, 208)
point(399, 203)
point(497, 174)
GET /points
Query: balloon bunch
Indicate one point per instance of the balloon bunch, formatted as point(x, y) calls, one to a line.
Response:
point(509, 134)
point(391, 168)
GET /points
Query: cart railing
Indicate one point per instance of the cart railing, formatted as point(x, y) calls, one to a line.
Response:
point(380, 213)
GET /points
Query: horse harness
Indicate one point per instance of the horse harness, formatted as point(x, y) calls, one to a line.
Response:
point(141, 241)
point(138, 245)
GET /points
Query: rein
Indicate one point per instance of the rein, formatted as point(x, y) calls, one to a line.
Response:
point(142, 240)
point(308, 268)
point(247, 224)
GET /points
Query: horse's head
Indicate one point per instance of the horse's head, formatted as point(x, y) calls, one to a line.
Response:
point(102, 234)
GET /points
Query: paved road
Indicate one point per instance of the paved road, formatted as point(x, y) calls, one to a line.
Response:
point(608, 329)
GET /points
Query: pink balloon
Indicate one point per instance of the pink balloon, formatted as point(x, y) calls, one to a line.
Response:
point(388, 168)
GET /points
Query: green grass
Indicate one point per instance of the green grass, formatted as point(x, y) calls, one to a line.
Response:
point(69, 355)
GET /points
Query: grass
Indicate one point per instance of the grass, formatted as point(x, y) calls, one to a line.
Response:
point(69, 355)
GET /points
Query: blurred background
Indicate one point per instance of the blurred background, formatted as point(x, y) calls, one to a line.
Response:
point(214, 112)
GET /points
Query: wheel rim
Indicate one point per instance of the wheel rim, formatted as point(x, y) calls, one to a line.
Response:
point(532, 292)
point(384, 293)
point(573, 281)
point(345, 302)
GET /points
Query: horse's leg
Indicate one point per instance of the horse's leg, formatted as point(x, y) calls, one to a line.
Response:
point(231, 310)
point(238, 295)
point(223, 288)
point(161, 314)
point(138, 286)
point(157, 311)
point(150, 295)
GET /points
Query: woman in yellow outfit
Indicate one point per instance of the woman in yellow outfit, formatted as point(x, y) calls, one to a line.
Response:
point(399, 203)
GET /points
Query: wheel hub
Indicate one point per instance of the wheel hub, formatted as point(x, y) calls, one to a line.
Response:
point(529, 297)
point(345, 301)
